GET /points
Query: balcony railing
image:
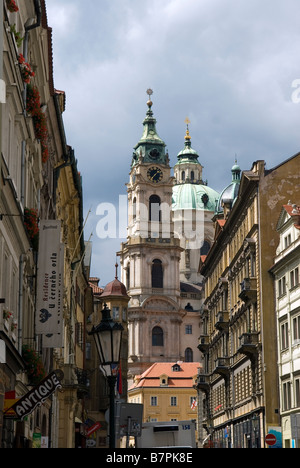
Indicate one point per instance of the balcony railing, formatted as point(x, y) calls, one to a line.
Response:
point(203, 343)
point(222, 322)
point(202, 382)
point(222, 366)
point(249, 343)
point(248, 289)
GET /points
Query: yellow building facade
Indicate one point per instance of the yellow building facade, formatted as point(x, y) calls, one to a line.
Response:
point(166, 391)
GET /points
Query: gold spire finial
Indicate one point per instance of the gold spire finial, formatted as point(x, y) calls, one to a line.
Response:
point(149, 92)
point(187, 135)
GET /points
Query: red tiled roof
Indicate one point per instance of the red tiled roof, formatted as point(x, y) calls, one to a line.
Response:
point(179, 379)
point(293, 210)
point(96, 289)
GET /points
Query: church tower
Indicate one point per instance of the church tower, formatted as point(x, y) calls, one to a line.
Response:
point(194, 204)
point(150, 258)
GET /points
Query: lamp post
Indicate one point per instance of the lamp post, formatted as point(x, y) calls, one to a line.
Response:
point(107, 336)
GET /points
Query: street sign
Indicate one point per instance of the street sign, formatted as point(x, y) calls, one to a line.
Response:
point(270, 439)
point(131, 415)
point(93, 429)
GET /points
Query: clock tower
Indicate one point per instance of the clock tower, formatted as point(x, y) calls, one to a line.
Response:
point(150, 257)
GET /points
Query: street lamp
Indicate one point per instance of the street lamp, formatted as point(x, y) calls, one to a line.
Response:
point(107, 336)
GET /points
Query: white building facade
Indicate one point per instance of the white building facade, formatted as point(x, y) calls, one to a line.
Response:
point(286, 271)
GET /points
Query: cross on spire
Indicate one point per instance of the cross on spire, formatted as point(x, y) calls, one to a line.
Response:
point(187, 135)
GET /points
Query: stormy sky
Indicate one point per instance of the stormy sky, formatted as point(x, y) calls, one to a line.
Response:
point(231, 66)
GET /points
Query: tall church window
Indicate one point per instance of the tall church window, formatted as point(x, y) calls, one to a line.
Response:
point(183, 176)
point(157, 337)
point(134, 209)
point(192, 175)
point(154, 208)
point(188, 355)
point(157, 274)
point(128, 276)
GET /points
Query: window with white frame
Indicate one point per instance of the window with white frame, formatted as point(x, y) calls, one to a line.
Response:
point(286, 396)
point(153, 400)
point(287, 241)
point(294, 278)
point(297, 392)
point(282, 286)
point(284, 335)
point(296, 328)
point(173, 401)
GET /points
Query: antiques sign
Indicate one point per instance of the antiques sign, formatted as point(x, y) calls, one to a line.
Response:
point(38, 395)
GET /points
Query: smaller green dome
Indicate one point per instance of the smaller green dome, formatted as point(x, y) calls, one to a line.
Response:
point(230, 193)
point(188, 154)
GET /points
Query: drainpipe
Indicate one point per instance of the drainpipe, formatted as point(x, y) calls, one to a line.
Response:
point(2, 84)
point(20, 304)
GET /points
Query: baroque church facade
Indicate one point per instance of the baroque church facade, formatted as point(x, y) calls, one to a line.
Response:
point(169, 227)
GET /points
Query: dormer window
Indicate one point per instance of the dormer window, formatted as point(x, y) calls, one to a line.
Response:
point(163, 380)
point(176, 368)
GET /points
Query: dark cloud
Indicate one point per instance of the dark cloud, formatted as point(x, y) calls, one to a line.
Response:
point(229, 66)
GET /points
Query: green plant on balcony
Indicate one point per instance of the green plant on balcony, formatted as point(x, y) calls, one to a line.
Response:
point(7, 314)
point(33, 107)
point(32, 226)
point(18, 38)
point(33, 365)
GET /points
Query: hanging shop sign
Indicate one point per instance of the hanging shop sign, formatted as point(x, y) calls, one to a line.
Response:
point(38, 395)
point(49, 302)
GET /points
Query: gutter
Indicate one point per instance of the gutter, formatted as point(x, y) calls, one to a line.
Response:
point(2, 85)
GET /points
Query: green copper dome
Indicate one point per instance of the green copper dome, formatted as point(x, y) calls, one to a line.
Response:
point(230, 193)
point(194, 197)
point(190, 192)
point(188, 154)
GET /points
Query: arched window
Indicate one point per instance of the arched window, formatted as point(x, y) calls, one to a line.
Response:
point(157, 274)
point(188, 355)
point(157, 337)
point(154, 208)
point(192, 175)
point(183, 176)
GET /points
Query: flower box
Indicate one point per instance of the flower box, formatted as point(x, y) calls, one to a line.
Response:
point(11, 6)
point(32, 226)
point(33, 107)
point(26, 70)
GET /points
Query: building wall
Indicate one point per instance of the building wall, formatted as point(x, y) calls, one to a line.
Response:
point(48, 182)
point(165, 410)
point(285, 272)
point(240, 378)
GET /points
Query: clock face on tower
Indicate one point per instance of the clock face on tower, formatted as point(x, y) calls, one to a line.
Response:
point(155, 174)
